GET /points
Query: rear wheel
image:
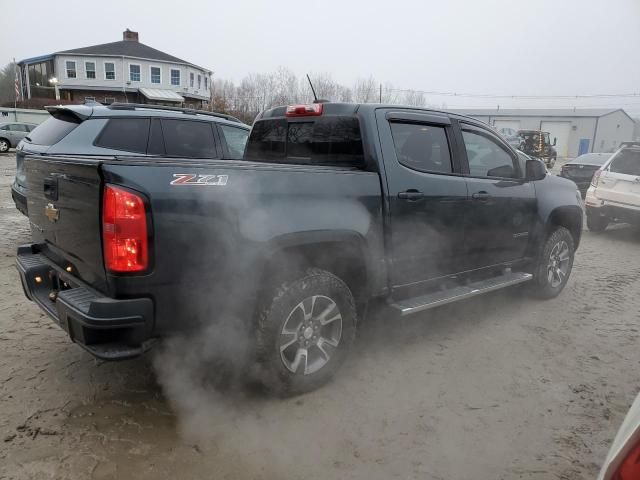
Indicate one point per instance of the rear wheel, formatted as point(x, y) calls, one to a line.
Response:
point(4, 145)
point(597, 223)
point(555, 264)
point(305, 332)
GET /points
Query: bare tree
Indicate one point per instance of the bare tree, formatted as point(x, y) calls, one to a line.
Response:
point(414, 98)
point(365, 90)
point(7, 84)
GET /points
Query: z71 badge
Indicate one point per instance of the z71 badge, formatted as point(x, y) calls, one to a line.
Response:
point(194, 179)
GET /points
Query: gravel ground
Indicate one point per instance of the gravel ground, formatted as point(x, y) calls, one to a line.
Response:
point(499, 387)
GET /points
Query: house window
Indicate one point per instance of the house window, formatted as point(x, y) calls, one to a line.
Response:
point(155, 74)
point(89, 99)
point(175, 77)
point(191, 76)
point(109, 100)
point(90, 69)
point(71, 69)
point(109, 71)
point(134, 72)
point(199, 82)
point(206, 84)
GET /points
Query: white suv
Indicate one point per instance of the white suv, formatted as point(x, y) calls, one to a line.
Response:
point(614, 193)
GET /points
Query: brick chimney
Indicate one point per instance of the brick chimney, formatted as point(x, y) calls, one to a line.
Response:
point(129, 36)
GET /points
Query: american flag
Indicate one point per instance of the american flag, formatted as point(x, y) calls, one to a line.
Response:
point(17, 86)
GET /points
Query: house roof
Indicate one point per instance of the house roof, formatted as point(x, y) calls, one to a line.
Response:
point(126, 48)
point(538, 112)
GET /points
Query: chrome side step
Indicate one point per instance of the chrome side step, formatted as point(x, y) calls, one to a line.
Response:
point(431, 300)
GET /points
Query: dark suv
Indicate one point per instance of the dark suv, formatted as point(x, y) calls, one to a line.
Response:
point(125, 129)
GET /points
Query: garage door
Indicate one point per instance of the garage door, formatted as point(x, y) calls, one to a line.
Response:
point(559, 130)
point(506, 127)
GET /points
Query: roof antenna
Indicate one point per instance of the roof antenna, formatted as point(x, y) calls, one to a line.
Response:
point(315, 97)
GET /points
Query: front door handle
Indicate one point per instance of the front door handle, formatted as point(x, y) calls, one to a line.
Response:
point(481, 196)
point(411, 195)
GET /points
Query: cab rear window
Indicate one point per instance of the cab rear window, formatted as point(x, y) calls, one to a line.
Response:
point(330, 140)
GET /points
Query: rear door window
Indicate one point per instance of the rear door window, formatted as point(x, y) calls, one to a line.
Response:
point(51, 131)
point(331, 140)
point(235, 139)
point(190, 139)
point(422, 147)
point(18, 127)
point(126, 134)
point(626, 162)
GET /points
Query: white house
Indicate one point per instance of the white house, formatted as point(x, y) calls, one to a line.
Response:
point(123, 71)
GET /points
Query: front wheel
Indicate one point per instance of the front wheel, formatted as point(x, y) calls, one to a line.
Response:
point(305, 332)
point(555, 264)
point(4, 145)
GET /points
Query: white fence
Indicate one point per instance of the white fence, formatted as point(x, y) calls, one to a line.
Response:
point(22, 115)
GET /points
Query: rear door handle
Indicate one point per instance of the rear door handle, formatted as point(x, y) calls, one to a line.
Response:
point(482, 196)
point(411, 195)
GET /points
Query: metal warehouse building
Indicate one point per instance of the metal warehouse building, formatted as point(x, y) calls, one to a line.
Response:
point(577, 131)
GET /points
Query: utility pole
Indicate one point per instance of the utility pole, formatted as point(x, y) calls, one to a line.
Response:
point(380, 93)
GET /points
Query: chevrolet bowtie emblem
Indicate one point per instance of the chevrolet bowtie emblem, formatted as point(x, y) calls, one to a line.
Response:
point(51, 212)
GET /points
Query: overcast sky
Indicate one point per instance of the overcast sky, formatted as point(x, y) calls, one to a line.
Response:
point(513, 47)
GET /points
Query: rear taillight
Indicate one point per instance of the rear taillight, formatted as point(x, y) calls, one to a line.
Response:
point(629, 468)
point(596, 177)
point(124, 231)
point(304, 110)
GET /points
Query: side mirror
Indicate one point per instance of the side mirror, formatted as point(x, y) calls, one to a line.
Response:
point(554, 141)
point(535, 170)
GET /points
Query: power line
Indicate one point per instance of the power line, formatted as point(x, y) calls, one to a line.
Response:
point(529, 97)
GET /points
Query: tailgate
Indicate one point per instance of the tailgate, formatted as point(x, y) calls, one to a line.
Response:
point(620, 181)
point(63, 199)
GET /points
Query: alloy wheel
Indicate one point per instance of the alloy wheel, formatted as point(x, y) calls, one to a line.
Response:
point(311, 334)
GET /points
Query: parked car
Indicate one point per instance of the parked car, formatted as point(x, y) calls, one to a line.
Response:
point(126, 129)
point(332, 205)
point(614, 194)
point(11, 134)
point(623, 459)
point(582, 168)
point(538, 144)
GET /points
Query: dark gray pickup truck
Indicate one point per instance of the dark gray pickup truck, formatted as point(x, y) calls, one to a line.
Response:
point(332, 206)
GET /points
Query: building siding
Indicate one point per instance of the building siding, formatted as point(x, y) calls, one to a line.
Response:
point(122, 74)
point(612, 128)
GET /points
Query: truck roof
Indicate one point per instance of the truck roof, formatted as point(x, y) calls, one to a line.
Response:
point(343, 108)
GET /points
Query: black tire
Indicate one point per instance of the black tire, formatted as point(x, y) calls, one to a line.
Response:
point(285, 309)
point(545, 281)
point(5, 145)
point(597, 223)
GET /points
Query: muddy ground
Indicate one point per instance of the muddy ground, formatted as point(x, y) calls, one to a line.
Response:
point(500, 387)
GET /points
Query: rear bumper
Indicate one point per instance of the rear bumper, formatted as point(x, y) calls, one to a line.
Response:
point(613, 211)
point(20, 199)
point(108, 328)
